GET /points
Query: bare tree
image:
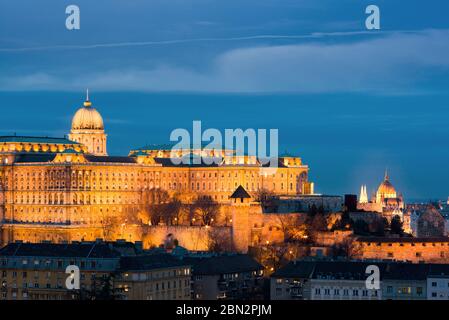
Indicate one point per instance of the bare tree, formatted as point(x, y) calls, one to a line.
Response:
point(219, 240)
point(156, 205)
point(273, 256)
point(263, 195)
point(109, 226)
point(267, 200)
point(188, 212)
point(316, 222)
point(207, 209)
point(349, 248)
point(293, 227)
point(172, 211)
point(396, 225)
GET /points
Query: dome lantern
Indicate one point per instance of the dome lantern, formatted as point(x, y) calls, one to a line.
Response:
point(87, 103)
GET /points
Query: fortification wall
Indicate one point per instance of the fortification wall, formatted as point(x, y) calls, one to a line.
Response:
point(429, 252)
point(194, 238)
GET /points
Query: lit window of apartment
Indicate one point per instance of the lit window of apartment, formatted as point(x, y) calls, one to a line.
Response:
point(405, 290)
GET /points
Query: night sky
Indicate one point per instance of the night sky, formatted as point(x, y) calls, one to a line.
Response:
point(350, 102)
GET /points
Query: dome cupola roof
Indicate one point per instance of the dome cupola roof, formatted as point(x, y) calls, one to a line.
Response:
point(87, 117)
point(386, 188)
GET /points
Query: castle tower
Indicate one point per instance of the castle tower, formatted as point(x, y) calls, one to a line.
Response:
point(88, 129)
point(241, 231)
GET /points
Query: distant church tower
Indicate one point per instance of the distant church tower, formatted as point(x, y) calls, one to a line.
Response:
point(363, 195)
point(88, 129)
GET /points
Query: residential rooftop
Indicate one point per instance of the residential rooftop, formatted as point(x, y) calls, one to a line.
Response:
point(223, 264)
point(355, 270)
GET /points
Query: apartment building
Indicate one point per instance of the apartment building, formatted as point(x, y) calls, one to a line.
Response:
point(226, 277)
point(108, 270)
point(346, 280)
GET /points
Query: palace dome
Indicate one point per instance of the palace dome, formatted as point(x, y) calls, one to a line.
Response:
point(87, 117)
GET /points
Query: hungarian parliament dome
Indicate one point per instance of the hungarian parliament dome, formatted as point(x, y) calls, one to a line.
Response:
point(386, 200)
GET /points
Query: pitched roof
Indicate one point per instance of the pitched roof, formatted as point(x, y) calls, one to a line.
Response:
point(223, 264)
point(36, 140)
point(295, 270)
point(355, 270)
point(81, 250)
point(139, 153)
point(404, 240)
point(157, 147)
point(150, 261)
point(47, 157)
point(240, 192)
point(70, 151)
point(267, 164)
point(110, 159)
point(41, 157)
point(167, 162)
point(170, 146)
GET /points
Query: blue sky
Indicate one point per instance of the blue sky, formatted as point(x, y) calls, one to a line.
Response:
point(350, 102)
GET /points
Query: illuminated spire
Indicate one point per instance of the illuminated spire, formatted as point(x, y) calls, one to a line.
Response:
point(363, 195)
point(87, 103)
point(386, 175)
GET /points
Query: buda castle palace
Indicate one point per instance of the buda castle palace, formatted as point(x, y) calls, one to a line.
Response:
point(67, 189)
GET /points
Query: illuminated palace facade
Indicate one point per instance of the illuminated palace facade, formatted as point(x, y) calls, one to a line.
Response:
point(66, 189)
